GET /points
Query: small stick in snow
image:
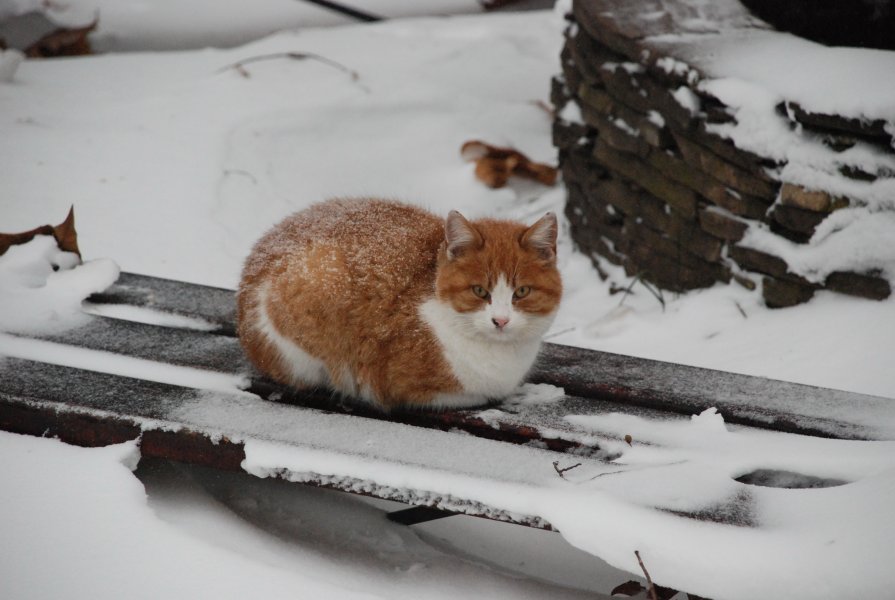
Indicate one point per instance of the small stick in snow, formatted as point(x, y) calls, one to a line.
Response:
point(649, 581)
point(655, 291)
point(239, 67)
point(628, 289)
point(740, 308)
point(545, 107)
point(561, 471)
point(241, 172)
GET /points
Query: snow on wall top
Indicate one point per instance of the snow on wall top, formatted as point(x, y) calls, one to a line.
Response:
point(722, 39)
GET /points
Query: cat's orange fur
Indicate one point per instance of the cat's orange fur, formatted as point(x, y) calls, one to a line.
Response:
point(365, 296)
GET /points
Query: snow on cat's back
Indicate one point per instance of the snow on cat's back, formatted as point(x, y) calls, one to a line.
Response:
point(391, 304)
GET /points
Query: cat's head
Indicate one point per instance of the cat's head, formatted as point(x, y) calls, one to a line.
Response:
point(499, 277)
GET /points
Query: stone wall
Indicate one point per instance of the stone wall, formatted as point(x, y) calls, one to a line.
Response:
point(652, 188)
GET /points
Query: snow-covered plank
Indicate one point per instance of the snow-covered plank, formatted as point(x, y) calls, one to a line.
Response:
point(214, 429)
point(673, 492)
point(172, 345)
point(214, 305)
point(742, 399)
point(595, 382)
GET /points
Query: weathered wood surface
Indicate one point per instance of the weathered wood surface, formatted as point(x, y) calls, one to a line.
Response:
point(212, 429)
point(596, 382)
point(89, 407)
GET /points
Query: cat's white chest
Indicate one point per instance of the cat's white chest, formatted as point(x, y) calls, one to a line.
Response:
point(492, 369)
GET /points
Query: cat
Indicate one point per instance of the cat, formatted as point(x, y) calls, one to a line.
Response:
point(393, 305)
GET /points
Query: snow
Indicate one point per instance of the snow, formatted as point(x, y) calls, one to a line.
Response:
point(118, 364)
point(571, 113)
point(687, 98)
point(41, 287)
point(162, 24)
point(753, 69)
point(656, 118)
point(141, 314)
point(852, 239)
point(680, 466)
point(848, 240)
point(624, 126)
point(9, 61)
point(176, 167)
point(789, 66)
point(535, 393)
point(106, 539)
point(803, 518)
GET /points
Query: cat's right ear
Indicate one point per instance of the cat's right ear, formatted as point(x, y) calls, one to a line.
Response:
point(460, 235)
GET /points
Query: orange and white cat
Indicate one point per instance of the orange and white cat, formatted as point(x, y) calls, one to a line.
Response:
point(394, 305)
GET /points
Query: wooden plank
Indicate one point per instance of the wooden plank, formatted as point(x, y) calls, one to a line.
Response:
point(176, 346)
point(215, 305)
point(217, 429)
point(596, 382)
point(742, 399)
point(214, 428)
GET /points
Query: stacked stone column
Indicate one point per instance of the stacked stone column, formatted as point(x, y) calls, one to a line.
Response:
point(650, 188)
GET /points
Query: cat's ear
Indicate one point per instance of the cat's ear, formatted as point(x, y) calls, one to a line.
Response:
point(460, 235)
point(541, 237)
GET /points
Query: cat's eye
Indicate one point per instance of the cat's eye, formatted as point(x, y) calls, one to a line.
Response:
point(480, 291)
point(521, 292)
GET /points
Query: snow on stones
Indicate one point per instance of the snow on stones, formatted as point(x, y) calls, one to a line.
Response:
point(750, 123)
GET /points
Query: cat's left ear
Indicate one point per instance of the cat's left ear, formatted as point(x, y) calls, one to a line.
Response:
point(541, 237)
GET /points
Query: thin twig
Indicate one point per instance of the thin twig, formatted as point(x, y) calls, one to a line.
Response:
point(740, 308)
point(655, 291)
point(608, 473)
point(649, 580)
point(545, 107)
point(628, 289)
point(561, 471)
point(239, 66)
point(241, 172)
point(640, 468)
point(347, 11)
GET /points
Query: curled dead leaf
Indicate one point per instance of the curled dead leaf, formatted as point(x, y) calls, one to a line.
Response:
point(495, 165)
point(63, 42)
point(629, 588)
point(65, 234)
point(629, 439)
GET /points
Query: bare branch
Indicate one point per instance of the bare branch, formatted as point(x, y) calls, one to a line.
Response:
point(239, 66)
point(650, 586)
point(561, 471)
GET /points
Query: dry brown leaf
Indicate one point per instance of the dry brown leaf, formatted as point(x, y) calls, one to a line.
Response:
point(65, 234)
point(495, 165)
point(629, 588)
point(62, 42)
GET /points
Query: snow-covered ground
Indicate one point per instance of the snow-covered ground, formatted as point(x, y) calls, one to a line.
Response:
point(176, 162)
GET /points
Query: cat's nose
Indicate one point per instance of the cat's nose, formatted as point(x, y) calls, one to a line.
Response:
point(500, 322)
